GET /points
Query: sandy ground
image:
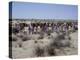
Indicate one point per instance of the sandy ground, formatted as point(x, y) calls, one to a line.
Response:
point(28, 48)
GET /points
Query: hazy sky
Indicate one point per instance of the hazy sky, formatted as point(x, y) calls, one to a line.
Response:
point(44, 11)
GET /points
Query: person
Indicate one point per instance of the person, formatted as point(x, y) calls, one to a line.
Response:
point(76, 27)
point(38, 29)
point(35, 29)
point(30, 29)
point(70, 29)
point(26, 30)
point(15, 28)
point(55, 28)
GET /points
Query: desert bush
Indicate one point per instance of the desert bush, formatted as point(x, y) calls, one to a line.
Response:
point(39, 51)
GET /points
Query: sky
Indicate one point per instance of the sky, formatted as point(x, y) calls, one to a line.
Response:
point(27, 10)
